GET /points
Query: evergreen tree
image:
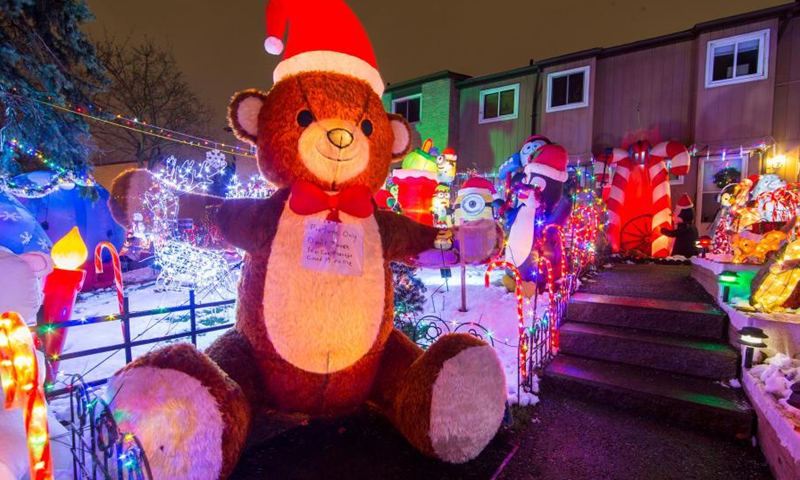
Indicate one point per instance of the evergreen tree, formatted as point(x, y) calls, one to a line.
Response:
point(45, 57)
point(409, 298)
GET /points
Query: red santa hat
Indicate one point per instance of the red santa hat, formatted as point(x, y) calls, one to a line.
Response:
point(550, 161)
point(684, 202)
point(325, 36)
point(478, 185)
point(449, 151)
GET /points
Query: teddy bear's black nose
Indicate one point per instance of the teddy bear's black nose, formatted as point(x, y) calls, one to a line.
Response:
point(340, 137)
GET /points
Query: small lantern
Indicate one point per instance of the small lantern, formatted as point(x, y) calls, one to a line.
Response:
point(794, 398)
point(751, 338)
point(726, 279)
point(704, 243)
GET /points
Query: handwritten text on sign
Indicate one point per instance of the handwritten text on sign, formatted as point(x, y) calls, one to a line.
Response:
point(333, 247)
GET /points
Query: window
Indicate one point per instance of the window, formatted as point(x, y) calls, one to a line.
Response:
point(738, 59)
point(499, 104)
point(409, 107)
point(568, 89)
point(674, 179)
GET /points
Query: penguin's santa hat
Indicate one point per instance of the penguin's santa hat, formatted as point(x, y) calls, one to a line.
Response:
point(549, 161)
point(325, 35)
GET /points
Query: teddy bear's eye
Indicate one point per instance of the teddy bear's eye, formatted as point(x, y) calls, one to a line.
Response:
point(366, 127)
point(305, 118)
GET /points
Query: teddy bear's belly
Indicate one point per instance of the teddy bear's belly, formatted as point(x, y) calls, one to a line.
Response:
point(322, 322)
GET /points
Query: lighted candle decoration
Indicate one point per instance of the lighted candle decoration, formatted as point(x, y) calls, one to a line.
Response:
point(22, 389)
point(61, 288)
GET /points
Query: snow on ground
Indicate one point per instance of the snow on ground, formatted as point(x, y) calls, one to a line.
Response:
point(768, 386)
point(142, 297)
point(494, 309)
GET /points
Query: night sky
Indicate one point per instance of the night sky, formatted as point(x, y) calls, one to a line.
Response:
point(219, 43)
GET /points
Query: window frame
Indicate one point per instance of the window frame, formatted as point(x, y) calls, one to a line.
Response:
point(587, 70)
point(407, 98)
point(762, 72)
point(498, 90)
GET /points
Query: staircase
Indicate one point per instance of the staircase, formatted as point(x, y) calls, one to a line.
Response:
point(648, 338)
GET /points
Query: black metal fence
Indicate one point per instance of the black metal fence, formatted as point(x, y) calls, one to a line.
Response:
point(100, 450)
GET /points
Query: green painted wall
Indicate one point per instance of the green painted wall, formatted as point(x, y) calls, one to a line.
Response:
point(438, 118)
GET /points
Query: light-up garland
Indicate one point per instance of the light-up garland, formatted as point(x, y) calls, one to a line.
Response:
point(523, 345)
point(146, 128)
point(584, 226)
point(19, 372)
point(61, 177)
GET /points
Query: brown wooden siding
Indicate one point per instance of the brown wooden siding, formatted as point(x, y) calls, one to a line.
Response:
point(571, 128)
point(646, 94)
point(786, 126)
point(735, 115)
point(485, 146)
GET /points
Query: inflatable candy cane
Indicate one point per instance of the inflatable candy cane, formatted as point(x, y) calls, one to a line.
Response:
point(656, 174)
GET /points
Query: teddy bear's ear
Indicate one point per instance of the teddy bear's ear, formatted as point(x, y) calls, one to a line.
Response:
point(41, 264)
point(402, 136)
point(243, 114)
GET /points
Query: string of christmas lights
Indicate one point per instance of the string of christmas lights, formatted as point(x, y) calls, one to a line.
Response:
point(143, 127)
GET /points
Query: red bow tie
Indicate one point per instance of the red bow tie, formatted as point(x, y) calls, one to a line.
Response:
point(308, 199)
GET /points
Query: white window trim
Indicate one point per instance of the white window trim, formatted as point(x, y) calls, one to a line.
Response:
point(570, 106)
point(501, 118)
point(405, 99)
point(674, 181)
point(678, 181)
point(762, 72)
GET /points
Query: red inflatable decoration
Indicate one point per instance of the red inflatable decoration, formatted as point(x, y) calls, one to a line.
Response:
point(639, 200)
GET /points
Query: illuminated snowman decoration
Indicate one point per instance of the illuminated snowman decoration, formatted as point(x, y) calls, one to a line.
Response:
point(474, 201)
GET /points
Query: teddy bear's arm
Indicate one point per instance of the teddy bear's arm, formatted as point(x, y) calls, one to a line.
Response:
point(402, 237)
point(249, 223)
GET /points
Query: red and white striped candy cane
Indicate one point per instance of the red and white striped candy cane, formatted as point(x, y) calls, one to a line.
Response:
point(678, 153)
point(98, 268)
point(662, 205)
point(616, 196)
point(659, 183)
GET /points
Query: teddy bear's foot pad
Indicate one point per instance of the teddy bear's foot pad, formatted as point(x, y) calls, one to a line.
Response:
point(467, 405)
point(176, 419)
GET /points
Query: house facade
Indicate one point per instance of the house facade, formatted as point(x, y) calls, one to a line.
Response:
point(729, 89)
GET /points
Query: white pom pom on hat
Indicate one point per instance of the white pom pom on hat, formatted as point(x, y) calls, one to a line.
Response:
point(325, 36)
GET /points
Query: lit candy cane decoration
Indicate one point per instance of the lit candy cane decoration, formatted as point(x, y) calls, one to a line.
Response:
point(98, 268)
point(657, 173)
point(19, 372)
point(523, 346)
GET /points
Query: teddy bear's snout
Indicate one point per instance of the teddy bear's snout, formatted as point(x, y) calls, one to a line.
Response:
point(340, 138)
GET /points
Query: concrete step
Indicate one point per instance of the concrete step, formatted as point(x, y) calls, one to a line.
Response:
point(696, 357)
point(694, 319)
point(691, 401)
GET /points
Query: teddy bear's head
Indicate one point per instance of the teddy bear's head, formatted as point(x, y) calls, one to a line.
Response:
point(324, 127)
point(323, 121)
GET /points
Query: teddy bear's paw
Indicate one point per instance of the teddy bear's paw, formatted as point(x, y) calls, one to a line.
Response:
point(128, 194)
point(176, 419)
point(467, 404)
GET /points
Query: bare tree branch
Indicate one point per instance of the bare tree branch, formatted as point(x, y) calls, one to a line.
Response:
point(147, 85)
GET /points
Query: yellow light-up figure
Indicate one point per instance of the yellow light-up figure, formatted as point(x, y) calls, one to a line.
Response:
point(780, 281)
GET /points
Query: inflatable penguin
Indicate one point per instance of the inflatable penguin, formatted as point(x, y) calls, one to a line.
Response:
point(545, 174)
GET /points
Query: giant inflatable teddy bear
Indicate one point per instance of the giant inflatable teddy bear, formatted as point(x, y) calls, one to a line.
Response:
point(314, 328)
